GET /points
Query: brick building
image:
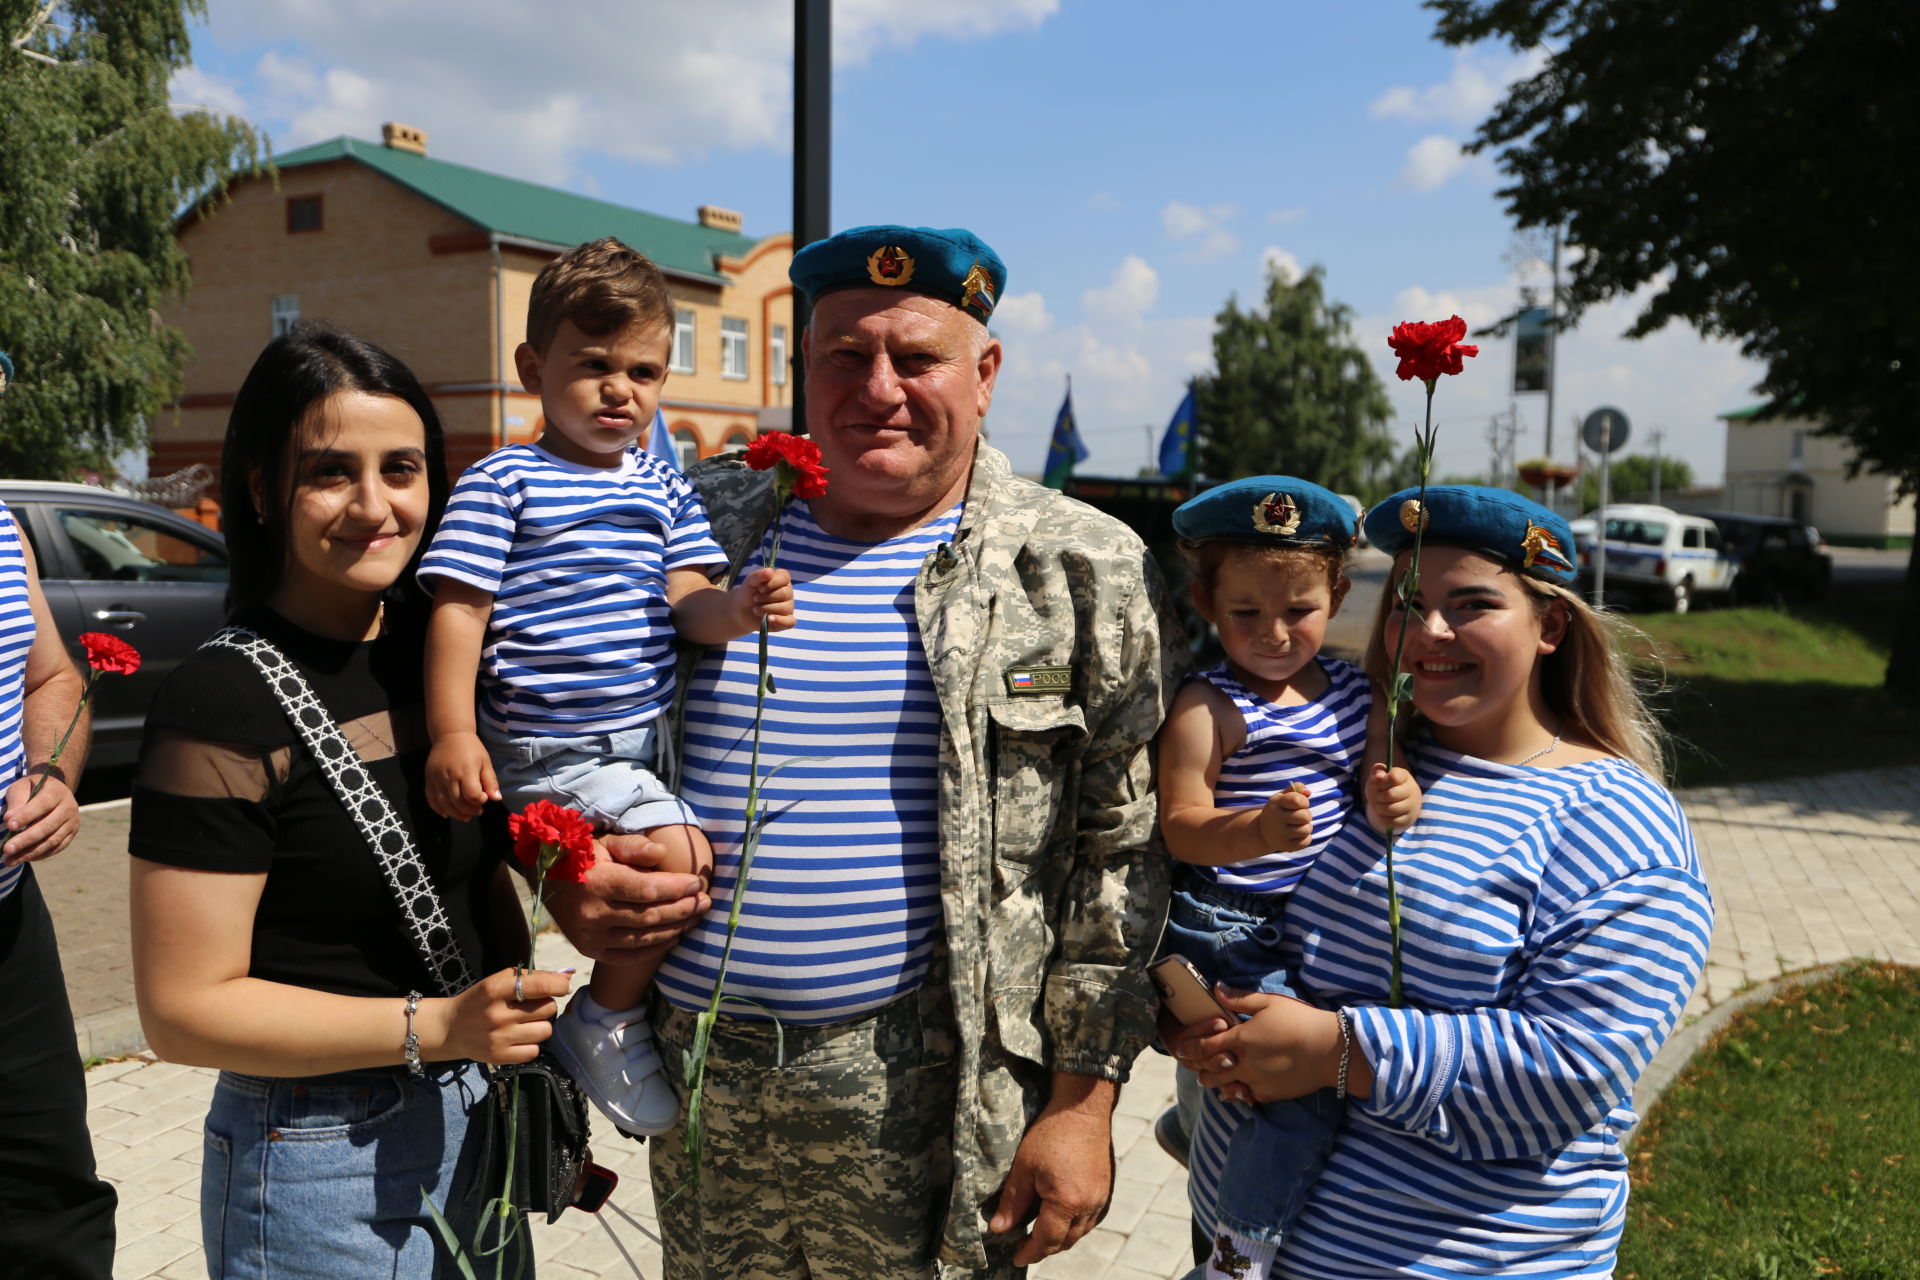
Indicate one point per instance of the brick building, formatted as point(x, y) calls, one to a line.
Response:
point(434, 261)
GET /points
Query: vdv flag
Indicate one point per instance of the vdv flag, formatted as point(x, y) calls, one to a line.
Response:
point(1066, 448)
point(1175, 444)
point(660, 441)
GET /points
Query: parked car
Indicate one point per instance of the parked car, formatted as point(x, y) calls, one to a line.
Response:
point(1665, 559)
point(131, 569)
point(1779, 559)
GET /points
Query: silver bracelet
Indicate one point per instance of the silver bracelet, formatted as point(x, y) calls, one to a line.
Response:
point(1346, 1052)
point(411, 1044)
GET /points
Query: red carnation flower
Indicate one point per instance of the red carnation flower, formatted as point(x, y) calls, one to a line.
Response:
point(1427, 350)
point(801, 458)
point(110, 653)
point(555, 837)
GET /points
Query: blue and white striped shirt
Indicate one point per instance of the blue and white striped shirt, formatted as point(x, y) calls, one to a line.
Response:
point(843, 898)
point(1318, 744)
point(16, 637)
point(1554, 922)
point(580, 640)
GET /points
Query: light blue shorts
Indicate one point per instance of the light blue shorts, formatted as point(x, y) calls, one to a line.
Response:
point(608, 777)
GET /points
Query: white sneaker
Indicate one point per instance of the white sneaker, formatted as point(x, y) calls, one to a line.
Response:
point(611, 1054)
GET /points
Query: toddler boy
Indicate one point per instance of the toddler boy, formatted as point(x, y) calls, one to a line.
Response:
point(561, 573)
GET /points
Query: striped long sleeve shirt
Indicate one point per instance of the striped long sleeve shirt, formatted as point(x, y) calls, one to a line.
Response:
point(16, 637)
point(1555, 922)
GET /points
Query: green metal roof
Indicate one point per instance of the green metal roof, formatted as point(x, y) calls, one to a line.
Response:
point(1751, 411)
point(548, 215)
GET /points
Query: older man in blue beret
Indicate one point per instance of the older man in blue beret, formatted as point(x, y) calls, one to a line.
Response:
point(938, 982)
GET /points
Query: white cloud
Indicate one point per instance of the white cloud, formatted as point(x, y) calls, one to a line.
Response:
point(1273, 258)
point(1204, 229)
point(1478, 81)
point(1022, 313)
point(1127, 295)
point(1431, 161)
point(622, 84)
point(193, 89)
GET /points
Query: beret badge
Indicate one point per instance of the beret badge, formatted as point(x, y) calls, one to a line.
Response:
point(1541, 545)
point(1414, 518)
point(1278, 514)
point(976, 292)
point(890, 265)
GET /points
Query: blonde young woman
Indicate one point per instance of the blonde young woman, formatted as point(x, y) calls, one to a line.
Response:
point(1554, 923)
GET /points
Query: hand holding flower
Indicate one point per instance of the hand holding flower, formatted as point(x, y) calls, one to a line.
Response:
point(485, 1022)
point(765, 595)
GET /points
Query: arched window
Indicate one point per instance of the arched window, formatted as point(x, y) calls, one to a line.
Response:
point(737, 438)
point(686, 443)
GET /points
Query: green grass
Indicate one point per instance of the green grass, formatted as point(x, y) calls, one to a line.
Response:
point(1789, 1149)
point(1776, 693)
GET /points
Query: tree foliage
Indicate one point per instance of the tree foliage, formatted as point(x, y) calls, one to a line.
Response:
point(1630, 479)
point(1751, 165)
point(95, 166)
point(1291, 392)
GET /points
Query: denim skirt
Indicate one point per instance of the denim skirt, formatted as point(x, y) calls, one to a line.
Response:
point(322, 1176)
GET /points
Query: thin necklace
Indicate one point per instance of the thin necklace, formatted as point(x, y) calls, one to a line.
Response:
point(1542, 751)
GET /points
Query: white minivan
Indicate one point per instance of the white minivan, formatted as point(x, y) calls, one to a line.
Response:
point(1667, 559)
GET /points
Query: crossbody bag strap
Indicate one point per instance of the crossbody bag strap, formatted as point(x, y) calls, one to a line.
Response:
point(366, 803)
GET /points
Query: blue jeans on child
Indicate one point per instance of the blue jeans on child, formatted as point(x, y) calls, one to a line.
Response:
point(1274, 1158)
point(608, 777)
point(321, 1176)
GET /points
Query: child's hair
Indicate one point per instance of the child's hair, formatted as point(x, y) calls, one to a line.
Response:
point(289, 380)
point(1587, 680)
point(603, 287)
point(1205, 558)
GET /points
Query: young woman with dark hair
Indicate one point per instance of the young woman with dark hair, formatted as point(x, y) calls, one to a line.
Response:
point(268, 938)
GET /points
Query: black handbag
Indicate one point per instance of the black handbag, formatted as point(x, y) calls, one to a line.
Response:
point(551, 1162)
point(552, 1167)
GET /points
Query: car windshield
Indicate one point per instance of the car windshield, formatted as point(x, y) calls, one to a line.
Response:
point(1650, 533)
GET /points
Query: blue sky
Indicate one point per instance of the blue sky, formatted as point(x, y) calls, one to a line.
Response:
point(1132, 169)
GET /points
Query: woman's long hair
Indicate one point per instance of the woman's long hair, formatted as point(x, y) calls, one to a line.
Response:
point(1587, 681)
point(293, 375)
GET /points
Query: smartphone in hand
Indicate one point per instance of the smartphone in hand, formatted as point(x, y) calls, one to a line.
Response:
point(1187, 995)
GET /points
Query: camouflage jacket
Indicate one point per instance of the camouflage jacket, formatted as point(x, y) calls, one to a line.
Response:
point(1042, 622)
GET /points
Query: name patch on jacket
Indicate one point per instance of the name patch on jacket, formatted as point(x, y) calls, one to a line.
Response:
point(1039, 679)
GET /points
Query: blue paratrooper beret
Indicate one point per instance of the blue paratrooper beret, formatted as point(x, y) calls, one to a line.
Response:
point(953, 265)
point(1498, 522)
point(1274, 509)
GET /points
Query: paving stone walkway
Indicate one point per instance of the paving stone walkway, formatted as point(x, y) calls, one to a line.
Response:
point(1805, 872)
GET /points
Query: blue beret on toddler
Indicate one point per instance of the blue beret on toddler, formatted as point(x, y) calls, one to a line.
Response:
point(1277, 509)
point(953, 265)
point(1498, 522)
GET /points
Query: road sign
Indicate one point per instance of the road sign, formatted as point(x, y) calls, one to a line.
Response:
point(1604, 430)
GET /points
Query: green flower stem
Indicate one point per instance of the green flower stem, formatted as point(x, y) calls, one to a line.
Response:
point(1401, 688)
point(696, 1070)
point(86, 695)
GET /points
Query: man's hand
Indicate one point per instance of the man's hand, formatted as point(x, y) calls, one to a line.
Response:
point(1065, 1161)
point(40, 827)
point(624, 905)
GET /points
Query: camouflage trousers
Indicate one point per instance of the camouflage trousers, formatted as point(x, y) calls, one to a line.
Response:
point(831, 1161)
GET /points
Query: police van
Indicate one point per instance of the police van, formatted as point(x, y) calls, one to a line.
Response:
point(1666, 559)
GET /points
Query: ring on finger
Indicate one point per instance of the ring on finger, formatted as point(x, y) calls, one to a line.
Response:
point(519, 995)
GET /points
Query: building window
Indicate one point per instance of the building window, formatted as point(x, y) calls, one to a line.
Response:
point(777, 354)
point(286, 312)
point(686, 444)
point(681, 361)
point(303, 213)
point(738, 438)
point(733, 347)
